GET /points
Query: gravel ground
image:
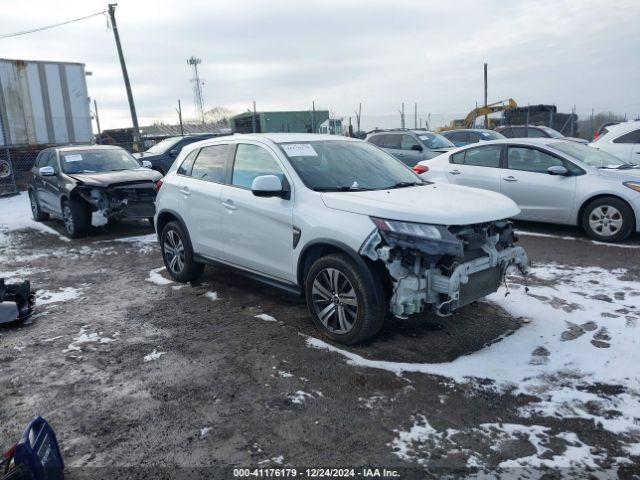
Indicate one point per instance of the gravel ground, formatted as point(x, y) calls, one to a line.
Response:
point(161, 377)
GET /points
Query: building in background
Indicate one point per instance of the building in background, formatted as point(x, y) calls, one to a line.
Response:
point(305, 121)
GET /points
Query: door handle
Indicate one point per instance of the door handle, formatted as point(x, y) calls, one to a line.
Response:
point(185, 191)
point(229, 205)
point(454, 172)
point(510, 178)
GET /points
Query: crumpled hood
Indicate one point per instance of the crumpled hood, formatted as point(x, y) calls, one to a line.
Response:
point(106, 179)
point(439, 204)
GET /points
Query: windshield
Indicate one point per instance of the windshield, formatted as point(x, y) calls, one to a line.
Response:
point(551, 132)
point(164, 145)
point(340, 165)
point(98, 160)
point(589, 155)
point(434, 140)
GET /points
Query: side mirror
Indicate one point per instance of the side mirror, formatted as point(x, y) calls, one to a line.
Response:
point(416, 148)
point(267, 186)
point(557, 170)
point(146, 164)
point(47, 171)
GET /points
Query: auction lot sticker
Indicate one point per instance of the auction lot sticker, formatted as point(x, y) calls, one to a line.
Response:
point(299, 150)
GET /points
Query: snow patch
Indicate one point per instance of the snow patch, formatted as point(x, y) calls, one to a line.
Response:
point(213, 296)
point(15, 214)
point(155, 277)
point(155, 355)
point(299, 397)
point(266, 318)
point(84, 338)
point(45, 297)
point(204, 432)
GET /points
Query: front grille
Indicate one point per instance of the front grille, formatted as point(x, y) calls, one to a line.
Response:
point(480, 284)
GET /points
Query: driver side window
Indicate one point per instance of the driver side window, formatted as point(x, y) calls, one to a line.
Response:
point(409, 143)
point(251, 162)
point(531, 160)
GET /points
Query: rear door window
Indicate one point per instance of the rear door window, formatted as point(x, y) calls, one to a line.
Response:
point(507, 132)
point(488, 156)
point(518, 132)
point(392, 141)
point(209, 164)
point(537, 133)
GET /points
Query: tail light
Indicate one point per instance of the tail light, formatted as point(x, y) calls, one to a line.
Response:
point(596, 135)
point(158, 185)
point(420, 169)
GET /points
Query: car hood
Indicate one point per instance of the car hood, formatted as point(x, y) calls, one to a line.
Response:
point(439, 204)
point(106, 179)
point(622, 175)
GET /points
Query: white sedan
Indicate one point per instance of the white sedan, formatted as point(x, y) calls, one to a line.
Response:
point(621, 140)
point(551, 180)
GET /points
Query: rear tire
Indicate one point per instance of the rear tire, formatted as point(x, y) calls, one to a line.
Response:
point(76, 217)
point(608, 219)
point(177, 253)
point(346, 302)
point(38, 214)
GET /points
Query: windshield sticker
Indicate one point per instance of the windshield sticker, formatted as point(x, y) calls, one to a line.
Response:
point(485, 134)
point(299, 150)
point(76, 157)
point(424, 137)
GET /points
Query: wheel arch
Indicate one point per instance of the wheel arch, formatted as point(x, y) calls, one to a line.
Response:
point(326, 246)
point(603, 195)
point(166, 216)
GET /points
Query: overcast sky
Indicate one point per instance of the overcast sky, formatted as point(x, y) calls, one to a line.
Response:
point(284, 54)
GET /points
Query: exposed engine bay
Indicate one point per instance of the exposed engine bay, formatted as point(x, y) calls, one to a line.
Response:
point(121, 201)
point(443, 268)
point(16, 302)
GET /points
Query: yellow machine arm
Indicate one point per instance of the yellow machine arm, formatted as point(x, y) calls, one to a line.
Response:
point(487, 109)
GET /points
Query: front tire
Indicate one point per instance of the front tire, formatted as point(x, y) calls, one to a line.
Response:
point(36, 211)
point(608, 219)
point(347, 303)
point(76, 218)
point(177, 254)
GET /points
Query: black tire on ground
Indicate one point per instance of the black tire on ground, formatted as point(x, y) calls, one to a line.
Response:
point(346, 301)
point(38, 214)
point(177, 253)
point(608, 219)
point(76, 217)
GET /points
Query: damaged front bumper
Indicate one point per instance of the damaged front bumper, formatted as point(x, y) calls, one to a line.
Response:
point(129, 202)
point(443, 268)
point(16, 302)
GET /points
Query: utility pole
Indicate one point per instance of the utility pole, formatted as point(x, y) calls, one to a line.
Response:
point(197, 87)
point(313, 119)
point(95, 108)
point(402, 116)
point(179, 110)
point(125, 76)
point(254, 119)
point(415, 115)
point(358, 114)
point(486, 118)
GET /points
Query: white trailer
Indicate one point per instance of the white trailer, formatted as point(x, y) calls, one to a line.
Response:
point(43, 103)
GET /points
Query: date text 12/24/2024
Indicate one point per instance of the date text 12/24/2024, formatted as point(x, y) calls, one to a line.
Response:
point(315, 473)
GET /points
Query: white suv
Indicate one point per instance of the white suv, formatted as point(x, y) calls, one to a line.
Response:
point(337, 219)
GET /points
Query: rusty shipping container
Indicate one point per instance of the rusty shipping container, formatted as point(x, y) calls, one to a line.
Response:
point(43, 103)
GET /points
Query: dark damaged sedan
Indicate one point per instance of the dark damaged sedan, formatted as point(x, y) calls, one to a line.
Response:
point(90, 185)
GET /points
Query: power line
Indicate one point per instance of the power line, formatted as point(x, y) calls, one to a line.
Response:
point(33, 30)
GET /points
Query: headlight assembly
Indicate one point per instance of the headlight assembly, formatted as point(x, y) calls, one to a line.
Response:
point(430, 239)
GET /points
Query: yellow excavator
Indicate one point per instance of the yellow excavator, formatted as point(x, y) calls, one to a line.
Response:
point(470, 119)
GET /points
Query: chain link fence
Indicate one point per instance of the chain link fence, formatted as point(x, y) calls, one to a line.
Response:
point(15, 168)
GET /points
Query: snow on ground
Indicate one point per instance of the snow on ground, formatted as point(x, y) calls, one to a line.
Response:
point(155, 355)
point(19, 275)
point(266, 318)
point(84, 338)
point(422, 442)
point(525, 233)
point(144, 243)
point(155, 277)
point(213, 296)
point(15, 214)
point(584, 333)
point(44, 297)
point(299, 397)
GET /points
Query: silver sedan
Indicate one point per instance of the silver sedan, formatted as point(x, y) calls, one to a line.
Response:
point(554, 181)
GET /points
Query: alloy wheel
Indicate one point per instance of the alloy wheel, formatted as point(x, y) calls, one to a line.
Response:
point(605, 220)
point(334, 301)
point(174, 251)
point(67, 217)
